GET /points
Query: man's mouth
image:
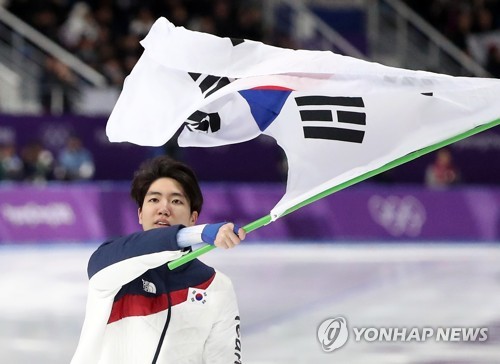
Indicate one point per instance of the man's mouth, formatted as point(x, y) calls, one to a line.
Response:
point(162, 223)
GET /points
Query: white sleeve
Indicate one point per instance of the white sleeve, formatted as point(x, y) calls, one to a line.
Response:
point(224, 342)
point(190, 235)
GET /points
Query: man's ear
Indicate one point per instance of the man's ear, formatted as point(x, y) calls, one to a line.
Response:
point(194, 217)
point(139, 215)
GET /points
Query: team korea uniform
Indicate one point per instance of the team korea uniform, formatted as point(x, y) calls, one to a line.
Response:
point(139, 311)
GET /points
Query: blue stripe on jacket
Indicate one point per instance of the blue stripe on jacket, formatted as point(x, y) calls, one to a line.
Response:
point(134, 245)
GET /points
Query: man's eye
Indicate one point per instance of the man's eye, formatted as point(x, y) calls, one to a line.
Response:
point(153, 199)
point(177, 202)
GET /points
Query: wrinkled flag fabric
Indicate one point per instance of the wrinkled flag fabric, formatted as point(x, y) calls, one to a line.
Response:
point(335, 117)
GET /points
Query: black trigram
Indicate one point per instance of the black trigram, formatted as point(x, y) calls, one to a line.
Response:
point(236, 41)
point(330, 132)
point(208, 84)
point(203, 121)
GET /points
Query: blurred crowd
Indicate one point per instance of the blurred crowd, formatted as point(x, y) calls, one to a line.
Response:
point(106, 33)
point(35, 163)
point(472, 25)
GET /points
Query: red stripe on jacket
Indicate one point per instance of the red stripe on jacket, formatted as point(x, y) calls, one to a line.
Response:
point(138, 305)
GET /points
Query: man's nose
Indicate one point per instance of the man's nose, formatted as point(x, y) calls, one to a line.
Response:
point(165, 208)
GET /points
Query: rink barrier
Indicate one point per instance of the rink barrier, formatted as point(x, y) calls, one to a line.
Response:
point(65, 213)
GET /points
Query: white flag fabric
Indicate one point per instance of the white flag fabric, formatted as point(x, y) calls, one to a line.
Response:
point(335, 117)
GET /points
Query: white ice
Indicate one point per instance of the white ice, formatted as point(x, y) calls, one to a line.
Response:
point(285, 291)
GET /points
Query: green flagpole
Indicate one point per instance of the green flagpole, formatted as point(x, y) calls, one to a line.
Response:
point(397, 162)
point(193, 255)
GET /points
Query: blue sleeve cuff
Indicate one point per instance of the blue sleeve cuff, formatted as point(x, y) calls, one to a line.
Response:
point(210, 232)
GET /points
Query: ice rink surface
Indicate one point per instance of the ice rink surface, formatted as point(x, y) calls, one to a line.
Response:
point(285, 292)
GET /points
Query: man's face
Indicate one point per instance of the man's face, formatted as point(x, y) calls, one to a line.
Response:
point(166, 204)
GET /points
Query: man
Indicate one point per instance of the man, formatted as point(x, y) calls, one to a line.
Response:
point(138, 311)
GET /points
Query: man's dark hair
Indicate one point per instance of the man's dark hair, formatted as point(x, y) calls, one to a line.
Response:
point(166, 167)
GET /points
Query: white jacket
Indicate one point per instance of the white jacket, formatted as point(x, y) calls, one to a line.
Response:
point(130, 292)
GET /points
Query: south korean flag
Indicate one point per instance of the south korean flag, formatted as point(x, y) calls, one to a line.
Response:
point(197, 296)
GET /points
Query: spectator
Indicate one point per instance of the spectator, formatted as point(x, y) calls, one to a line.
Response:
point(483, 20)
point(249, 24)
point(58, 86)
point(462, 21)
point(11, 165)
point(141, 24)
point(45, 17)
point(178, 13)
point(106, 34)
point(223, 15)
point(203, 24)
point(493, 61)
point(112, 69)
point(74, 162)
point(38, 162)
point(79, 24)
point(461, 28)
point(442, 172)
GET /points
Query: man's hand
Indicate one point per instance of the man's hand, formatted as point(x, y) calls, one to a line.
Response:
point(223, 235)
point(227, 238)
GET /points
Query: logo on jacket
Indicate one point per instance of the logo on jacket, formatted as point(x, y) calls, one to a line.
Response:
point(197, 296)
point(148, 286)
point(237, 341)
